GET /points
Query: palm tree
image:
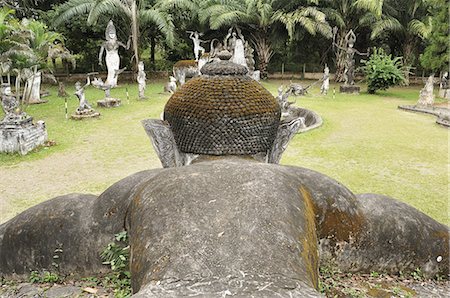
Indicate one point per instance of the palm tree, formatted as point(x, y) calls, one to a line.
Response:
point(258, 18)
point(137, 14)
point(405, 20)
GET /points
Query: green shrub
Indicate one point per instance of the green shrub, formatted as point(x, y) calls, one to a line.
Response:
point(382, 71)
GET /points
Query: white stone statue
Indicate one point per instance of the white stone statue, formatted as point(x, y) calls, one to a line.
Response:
point(79, 92)
point(234, 42)
point(325, 81)
point(8, 102)
point(171, 86)
point(141, 77)
point(34, 87)
point(111, 45)
point(198, 49)
point(426, 94)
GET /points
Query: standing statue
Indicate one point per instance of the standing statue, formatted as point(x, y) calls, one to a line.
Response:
point(349, 72)
point(426, 94)
point(444, 86)
point(84, 109)
point(325, 81)
point(112, 53)
point(141, 79)
point(195, 36)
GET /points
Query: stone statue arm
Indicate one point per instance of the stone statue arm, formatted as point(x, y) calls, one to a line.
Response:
point(339, 47)
point(225, 40)
point(127, 46)
point(100, 54)
point(363, 54)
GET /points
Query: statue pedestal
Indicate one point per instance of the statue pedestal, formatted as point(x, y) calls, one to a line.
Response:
point(109, 102)
point(85, 114)
point(349, 89)
point(22, 135)
point(444, 93)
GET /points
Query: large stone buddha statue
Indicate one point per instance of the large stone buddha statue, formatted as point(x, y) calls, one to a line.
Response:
point(222, 217)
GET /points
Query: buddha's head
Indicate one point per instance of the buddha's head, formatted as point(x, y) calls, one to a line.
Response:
point(223, 112)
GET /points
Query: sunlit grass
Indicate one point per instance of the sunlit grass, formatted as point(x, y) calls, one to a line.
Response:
point(366, 143)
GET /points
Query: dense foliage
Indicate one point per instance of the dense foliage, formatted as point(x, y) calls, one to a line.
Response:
point(292, 33)
point(382, 71)
point(437, 52)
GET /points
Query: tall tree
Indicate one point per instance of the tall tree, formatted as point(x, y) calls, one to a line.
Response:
point(407, 21)
point(437, 53)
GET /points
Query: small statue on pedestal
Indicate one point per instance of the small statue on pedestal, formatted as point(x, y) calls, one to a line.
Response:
point(426, 98)
point(325, 81)
point(171, 86)
point(84, 109)
point(141, 77)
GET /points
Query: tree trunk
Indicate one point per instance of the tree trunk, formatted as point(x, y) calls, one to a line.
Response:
point(408, 57)
point(152, 52)
point(340, 57)
point(263, 50)
point(135, 33)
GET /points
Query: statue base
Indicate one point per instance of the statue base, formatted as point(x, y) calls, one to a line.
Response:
point(22, 135)
point(109, 102)
point(444, 93)
point(85, 114)
point(349, 89)
point(36, 102)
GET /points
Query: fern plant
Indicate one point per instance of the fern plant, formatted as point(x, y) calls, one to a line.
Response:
point(382, 71)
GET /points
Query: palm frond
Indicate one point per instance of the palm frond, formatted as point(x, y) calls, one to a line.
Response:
point(421, 29)
point(387, 24)
point(374, 6)
point(71, 9)
point(162, 20)
point(108, 7)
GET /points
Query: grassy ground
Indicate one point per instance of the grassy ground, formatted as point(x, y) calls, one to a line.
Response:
point(366, 143)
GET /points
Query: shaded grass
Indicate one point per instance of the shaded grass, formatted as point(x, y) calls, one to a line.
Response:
point(366, 143)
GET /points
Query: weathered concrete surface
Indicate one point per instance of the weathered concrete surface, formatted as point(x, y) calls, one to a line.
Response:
point(395, 237)
point(30, 239)
point(81, 225)
point(215, 225)
point(226, 225)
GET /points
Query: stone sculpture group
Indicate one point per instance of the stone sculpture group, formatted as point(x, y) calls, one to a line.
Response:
point(222, 217)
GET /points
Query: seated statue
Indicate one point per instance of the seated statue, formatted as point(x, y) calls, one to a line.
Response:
point(223, 218)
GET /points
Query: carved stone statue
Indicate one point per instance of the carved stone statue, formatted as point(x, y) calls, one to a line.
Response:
point(227, 223)
point(325, 81)
point(349, 72)
point(198, 49)
point(84, 109)
point(234, 42)
point(111, 45)
point(98, 83)
point(171, 86)
point(426, 94)
point(18, 133)
point(141, 77)
point(444, 86)
point(10, 105)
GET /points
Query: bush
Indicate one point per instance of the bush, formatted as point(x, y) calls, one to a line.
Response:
point(382, 71)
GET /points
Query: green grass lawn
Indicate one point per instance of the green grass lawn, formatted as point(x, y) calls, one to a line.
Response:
point(366, 143)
